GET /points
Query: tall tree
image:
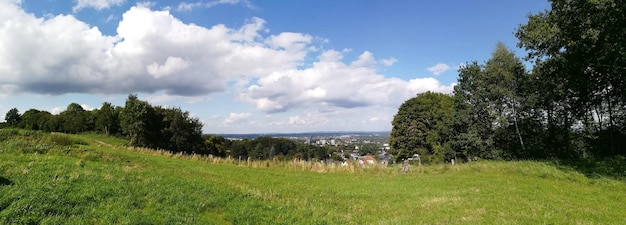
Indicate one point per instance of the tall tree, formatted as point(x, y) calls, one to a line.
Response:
point(34, 119)
point(180, 132)
point(137, 120)
point(488, 100)
point(13, 117)
point(74, 119)
point(583, 44)
point(504, 74)
point(107, 118)
point(473, 119)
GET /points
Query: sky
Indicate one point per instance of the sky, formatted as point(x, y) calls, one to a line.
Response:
point(248, 66)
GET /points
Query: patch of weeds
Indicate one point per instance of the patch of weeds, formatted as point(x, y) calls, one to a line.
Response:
point(65, 140)
point(6, 134)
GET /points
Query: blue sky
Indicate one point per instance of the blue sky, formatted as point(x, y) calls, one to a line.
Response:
point(248, 66)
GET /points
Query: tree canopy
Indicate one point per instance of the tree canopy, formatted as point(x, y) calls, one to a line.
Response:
point(571, 104)
point(423, 126)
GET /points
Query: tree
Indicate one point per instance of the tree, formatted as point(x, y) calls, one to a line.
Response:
point(137, 121)
point(489, 106)
point(74, 119)
point(580, 45)
point(13, 117)
point(504, 74)
point(257, 152)
point(107, 118)
point(472, 126)
point(180, 132)
point(34, 119)
point(423, 126)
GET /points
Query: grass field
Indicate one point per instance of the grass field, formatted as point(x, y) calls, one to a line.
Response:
point(92, 179)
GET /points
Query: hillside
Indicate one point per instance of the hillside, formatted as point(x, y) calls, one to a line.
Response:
point(91, 179)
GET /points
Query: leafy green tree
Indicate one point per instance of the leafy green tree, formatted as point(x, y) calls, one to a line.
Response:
point(423, 126)
point(505, 76)
point(257, 152)
point(74, 119)
point(579, 46)
point(13, 117)
point(137, 120)
point(489, 107)
point(473, 133)
point(34, 119)
point(107, 119)
point(181, 132)
point(217, 145)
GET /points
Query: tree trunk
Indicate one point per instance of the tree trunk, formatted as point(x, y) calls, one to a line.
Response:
point(521, 141)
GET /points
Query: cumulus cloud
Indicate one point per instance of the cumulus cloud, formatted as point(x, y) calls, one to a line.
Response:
point(332, 83)
point(156, 53)
point(389, 62)
point(236, 118)
point(439, 68)
point(172, 65)
point(185, 6)
point(153, 51)
point(96, 4)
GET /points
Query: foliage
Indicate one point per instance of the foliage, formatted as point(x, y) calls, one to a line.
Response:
point(145, 125)
point(423, 126)
point(107, 119)
point(13, 117)
point(578, 47)
point(488, 104)
point(137, 120)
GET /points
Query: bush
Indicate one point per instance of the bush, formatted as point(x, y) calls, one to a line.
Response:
point(6, 134)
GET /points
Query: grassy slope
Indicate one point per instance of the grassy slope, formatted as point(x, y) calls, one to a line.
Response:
point(54, 179)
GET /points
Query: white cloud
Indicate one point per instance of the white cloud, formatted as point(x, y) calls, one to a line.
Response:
point(185, 6)
point(330, 83)
point(153, 52)
point(56, 110)
point(236, 118)
point(439, 68)
point(87, 107)
point(161, 99)
point(96, 4)
point(365, 60)
point(389, 61)
point(172, 65)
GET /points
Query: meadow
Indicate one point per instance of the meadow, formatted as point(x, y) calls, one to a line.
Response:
point(52, 178)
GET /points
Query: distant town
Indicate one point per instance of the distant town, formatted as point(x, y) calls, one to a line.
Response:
point(364, 147)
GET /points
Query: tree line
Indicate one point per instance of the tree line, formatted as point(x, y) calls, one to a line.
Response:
point(162, 128)
point(571, 104)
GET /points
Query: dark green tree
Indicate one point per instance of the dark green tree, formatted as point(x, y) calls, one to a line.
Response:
point(34, 119)
point(74, 119)
point(490, 106)
point(579, 46)
point(257, 152)
point(180, 132)
point(137, 120)
point(13, 117)
point(473, 127)
point(423, 126)
point(107, 119)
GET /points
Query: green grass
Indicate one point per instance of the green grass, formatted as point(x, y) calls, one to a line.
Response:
point(92, 179)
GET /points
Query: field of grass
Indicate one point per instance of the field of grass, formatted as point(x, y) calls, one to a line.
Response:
point(92, 179)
